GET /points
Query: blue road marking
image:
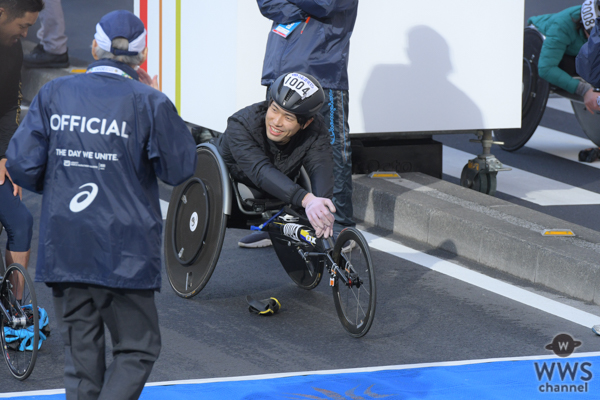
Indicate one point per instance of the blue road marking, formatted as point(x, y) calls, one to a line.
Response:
point(531, 378)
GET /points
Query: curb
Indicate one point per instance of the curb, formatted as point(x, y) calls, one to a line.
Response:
point(487, 230)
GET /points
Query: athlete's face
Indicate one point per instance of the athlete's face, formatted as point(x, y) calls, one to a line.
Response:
point(12, 29)
point(281, 125)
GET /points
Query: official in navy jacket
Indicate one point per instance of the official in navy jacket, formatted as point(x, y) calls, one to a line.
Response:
point(94, 145)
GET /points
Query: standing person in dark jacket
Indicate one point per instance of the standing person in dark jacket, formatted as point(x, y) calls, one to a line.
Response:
point(15, 19)
point(314, 37)
point(266, 144)
point(94, 145)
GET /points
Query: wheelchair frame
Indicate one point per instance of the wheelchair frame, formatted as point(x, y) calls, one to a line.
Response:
point(191, 224)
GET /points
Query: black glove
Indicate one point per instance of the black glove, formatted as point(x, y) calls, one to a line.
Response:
point(589, 155)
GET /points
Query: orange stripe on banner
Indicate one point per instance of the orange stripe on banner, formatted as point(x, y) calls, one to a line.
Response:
point(144, 18)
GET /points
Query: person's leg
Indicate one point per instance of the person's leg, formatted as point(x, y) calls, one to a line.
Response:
point(132, 319)
point(18, 223)
point(53, 40)
point(335, 113)
point(255, 239)
point(82, 331)
point(51, 52)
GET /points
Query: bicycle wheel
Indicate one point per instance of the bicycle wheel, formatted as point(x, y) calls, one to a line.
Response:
point(17, 295)
point(354, 294)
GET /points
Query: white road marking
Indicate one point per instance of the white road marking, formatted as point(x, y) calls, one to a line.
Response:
point(561, 104)
point(560, 144)
point(164, 206)
point(482, 281)
point(524, 185)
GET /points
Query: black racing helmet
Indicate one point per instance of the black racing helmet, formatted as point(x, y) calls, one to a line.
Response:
point(298, 93)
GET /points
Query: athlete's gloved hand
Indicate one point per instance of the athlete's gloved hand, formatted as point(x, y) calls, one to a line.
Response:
point(319, 211)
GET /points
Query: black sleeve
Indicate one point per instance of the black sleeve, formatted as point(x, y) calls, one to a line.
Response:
point(252, 160)
point(8, 126)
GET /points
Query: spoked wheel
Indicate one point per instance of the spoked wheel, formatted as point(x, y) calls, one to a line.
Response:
point(19, 326)
point(306, 273)
point(196, 223)
point(354, 293)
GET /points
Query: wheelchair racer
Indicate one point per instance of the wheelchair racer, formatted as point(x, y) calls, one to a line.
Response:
point(266, 144)
point(565, 33)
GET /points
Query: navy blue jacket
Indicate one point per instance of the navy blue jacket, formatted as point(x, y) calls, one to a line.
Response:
point(587, 62)
point(94, 144)
point(322, 50)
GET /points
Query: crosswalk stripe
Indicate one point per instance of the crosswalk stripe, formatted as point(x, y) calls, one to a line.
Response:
point(561, 104)
point(524, 185)
point(560, 144)
point(164, 206)
point(480, 280)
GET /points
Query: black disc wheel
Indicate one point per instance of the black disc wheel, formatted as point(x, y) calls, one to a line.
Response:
point(306, 273)
point(535, 91)
point(195, 225)
point(19, 322)
point(354, 293)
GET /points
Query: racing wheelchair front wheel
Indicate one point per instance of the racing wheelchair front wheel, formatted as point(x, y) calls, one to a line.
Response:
point(354, 293)
point(196, 223)
point(19, 322)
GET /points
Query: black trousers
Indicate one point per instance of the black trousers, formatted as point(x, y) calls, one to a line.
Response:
point(335, 112)
point(82, 311)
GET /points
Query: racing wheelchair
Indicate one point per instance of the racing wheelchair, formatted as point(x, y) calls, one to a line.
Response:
point(203, 207)
point(19, 325)
point(535, 96)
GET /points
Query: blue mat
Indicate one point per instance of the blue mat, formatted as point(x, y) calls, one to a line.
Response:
point(557, 378)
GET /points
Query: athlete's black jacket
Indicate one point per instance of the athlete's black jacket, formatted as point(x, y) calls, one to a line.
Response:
point(254, 159)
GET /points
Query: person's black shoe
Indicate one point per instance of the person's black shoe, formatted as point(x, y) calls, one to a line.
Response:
point(39, 58)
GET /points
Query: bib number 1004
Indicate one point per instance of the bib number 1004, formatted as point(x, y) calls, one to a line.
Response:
point(300, 84)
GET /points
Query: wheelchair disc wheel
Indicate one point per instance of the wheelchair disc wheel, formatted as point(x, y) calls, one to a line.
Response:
point(306, 274)
point(16, 292)
point(195, 226)
point(590, 123)
point(535, 92)
point(354, 301)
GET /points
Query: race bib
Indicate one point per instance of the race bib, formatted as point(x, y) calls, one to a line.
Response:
point(300, 84)
point(285, 30)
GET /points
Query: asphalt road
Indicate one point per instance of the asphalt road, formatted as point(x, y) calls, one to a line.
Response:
point(422, 316)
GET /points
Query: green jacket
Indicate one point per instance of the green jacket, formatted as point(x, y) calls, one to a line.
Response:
point(562, 37)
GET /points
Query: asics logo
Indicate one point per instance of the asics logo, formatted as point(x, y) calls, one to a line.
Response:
point(88, 196)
